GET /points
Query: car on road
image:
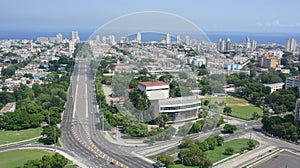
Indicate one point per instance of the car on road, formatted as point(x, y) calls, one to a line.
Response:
point(113, 162)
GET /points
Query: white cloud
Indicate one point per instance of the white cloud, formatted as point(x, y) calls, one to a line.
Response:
point(276, 23)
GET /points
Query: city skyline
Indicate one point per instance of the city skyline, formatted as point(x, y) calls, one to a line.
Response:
point(232, 16)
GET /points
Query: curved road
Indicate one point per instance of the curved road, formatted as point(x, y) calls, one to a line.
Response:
point(80, 126)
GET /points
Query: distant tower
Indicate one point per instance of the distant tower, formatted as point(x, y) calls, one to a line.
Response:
point(253, 45)
point(59, 37)
point(74, 36)
point(139, 37)
point(221, 45)
point(187, 40)
point(248, 43)
point(178, 39)
point(103, 39)
point(168, 39)
point(291, 45)
point(97, 38)
point(71, 46)
point(228, 44)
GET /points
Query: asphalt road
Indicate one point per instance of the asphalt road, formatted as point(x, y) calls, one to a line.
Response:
point(80, 126)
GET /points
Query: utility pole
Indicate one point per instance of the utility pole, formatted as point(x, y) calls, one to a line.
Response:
point(182, 161)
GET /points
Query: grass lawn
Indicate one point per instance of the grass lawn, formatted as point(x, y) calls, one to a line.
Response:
point(236, 144)
point(245, 112)
point(15, 158)
point(235, 100)
point(15, 136)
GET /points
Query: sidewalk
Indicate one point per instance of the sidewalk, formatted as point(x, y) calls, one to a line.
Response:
point(19, 142)
point(246, 157)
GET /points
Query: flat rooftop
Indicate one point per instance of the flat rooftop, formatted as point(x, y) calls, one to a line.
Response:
point(154, 83)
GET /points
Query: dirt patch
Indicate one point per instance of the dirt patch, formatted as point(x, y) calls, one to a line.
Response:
point(238, 104)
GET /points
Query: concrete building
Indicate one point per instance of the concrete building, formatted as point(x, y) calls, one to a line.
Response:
point(139, 37)
point(228, 46)
point(71, 46)
point(297, 110)
point(59, 37)
point(168, 38)
point(275, 86)
point(248, 44)
point(178, 109)
point(75, 36)
point(178, 39)
point(97, 38)
point(221, 45)
point(292, 82)
point(268, 61)
point(155, 90)
point(253, 45)
point(187, 40)
point(234, 67)
point(291, 45)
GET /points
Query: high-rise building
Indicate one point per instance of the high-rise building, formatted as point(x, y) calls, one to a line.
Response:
point(74, 36)
point(71, 46)
point(297, 110)
point(221, 45)
point(291, 45)
point(253, 45)
point(139, 37)
point(292, 82)
point(228, 44)
point(187, 40)
point(103, 39)
point(178, 39)
point(268, 61)
point(59, 37)
point(168, 38)
point(248, 43)
point(97, 38)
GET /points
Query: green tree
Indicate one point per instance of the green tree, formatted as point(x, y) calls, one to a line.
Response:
point(166, 159)
point(227, 110)
point(51, 133)
point(186, 142)
point(203, 145)
point(229, 151)
point(212, 143)
point(229, 128)
point(220, 140)
point(143, 71)
point(255, 116)
point(197, 126)
point(251, 144)
point(193, 156)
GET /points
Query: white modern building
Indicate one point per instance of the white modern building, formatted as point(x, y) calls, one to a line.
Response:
point(168, 38)
point(178, 109)
point(155, 90)
point(291, 45)
point(75, 36)
point(275, 86)
point(139, 37)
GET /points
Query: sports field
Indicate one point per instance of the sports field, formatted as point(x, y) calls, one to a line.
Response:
point(241, 108)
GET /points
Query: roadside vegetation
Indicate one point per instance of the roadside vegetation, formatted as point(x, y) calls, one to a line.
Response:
point(34, 104)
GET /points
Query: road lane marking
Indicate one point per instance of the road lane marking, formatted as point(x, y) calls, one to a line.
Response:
point(76, 91)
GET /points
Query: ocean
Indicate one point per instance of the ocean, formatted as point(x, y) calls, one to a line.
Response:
point(236, 37)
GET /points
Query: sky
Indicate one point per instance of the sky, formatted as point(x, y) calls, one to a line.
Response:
point(209, 15)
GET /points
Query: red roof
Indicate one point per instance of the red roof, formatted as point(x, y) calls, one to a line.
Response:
point(155, 83)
